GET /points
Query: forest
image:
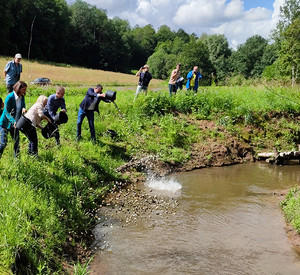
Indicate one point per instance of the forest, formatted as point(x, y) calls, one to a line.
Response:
point(83, 35)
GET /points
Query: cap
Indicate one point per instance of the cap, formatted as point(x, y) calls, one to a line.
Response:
point(18, 55)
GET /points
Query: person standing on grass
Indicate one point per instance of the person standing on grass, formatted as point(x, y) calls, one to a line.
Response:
point(55, 102)
point(35, 114)
point(173, 79)
point(87, 107)
point(14, 107)
point(12, 72)
point(144, 79)
point(193, 78)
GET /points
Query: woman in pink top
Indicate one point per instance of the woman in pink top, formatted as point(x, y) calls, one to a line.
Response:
point(35, 114)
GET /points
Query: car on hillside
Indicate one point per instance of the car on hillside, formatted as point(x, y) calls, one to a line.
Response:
point(41, 81)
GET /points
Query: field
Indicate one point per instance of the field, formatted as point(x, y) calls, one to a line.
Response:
point(68, 75)
point(48, 203)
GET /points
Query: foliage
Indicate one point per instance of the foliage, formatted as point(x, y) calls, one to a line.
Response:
point(48, 199)
point(247, 59)
point(219, 54)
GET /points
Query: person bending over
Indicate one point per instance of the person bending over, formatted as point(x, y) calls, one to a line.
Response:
point(87, 107)
point(55, 102)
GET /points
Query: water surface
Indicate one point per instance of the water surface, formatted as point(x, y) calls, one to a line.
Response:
point(227, 221)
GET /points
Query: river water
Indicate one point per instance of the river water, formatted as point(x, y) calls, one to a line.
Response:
point(223, 220)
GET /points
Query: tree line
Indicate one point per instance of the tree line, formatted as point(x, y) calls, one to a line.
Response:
point(82, 34)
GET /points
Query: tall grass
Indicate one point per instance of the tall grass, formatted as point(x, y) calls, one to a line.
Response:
point(44, 200)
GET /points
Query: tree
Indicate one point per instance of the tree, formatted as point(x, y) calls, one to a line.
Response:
point(219, 53)
point(195, 53)
point(144, 44)
point(164, 33)
point(287, 38)
point(289, 54)
point(248, 56)
point(161, 63)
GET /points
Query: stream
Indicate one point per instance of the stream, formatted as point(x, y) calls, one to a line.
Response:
point(224, 220)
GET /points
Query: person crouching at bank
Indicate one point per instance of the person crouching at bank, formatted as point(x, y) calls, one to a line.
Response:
point(14, 107)
point(55, 102)
point(36, 114)
point(87, 107)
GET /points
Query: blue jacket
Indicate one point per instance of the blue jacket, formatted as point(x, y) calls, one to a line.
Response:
point(89, 98)
point(9, 113)
point(190, 76)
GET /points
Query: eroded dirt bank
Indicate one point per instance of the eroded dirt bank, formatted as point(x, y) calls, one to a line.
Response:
point(211, 153)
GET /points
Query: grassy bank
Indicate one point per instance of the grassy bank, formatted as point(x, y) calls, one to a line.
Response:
point(47, 203)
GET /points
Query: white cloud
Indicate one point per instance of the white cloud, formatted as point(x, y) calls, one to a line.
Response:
point(198, 16)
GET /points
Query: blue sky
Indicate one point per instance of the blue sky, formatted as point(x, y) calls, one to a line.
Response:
point(236, 19)
point(248, 4)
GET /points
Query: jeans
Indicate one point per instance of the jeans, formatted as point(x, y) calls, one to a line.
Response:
point(139, 89)
point(90, 116)
point(172, 89)
point(3, 140)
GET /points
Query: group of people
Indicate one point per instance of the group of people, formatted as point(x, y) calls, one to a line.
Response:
point(175, 82)
point(14, 108)
point(45, 108)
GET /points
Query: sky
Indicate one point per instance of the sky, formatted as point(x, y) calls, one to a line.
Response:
point(236, 19)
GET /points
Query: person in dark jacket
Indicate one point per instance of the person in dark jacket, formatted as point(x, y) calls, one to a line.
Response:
point(144, 79)
point(56, 101)
point(87, 107)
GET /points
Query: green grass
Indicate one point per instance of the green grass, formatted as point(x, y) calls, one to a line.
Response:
point(44, 200)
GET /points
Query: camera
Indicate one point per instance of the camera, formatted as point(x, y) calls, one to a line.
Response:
point(143, 67)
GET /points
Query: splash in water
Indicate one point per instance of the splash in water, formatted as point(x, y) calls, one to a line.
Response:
point(163, 184)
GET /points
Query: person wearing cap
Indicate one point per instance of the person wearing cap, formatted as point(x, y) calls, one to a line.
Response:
point(55, 101)
point(87, 107)
point(14, 107)
point(12, 72)
point(144, 79)
point(193, 78)
point(173, 79)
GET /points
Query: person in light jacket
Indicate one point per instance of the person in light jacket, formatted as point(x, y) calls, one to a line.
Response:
point(35, 114)
point(14, 107)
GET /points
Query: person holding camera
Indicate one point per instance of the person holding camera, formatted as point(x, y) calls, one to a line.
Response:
point(144, 79)
point(173, 79)
point(193, 78)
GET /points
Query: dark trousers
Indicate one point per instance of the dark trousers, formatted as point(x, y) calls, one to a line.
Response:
point(9, 88)
point(33, 142)
point(56, 134)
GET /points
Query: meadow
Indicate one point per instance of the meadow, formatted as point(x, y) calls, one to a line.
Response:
point(48, 203)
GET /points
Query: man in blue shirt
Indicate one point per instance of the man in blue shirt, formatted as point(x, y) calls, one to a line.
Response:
point(12, 72)
point(55, 102)
point(87, 107)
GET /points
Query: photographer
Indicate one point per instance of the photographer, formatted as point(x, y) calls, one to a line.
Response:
point(193, 77)
point(144, 79)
